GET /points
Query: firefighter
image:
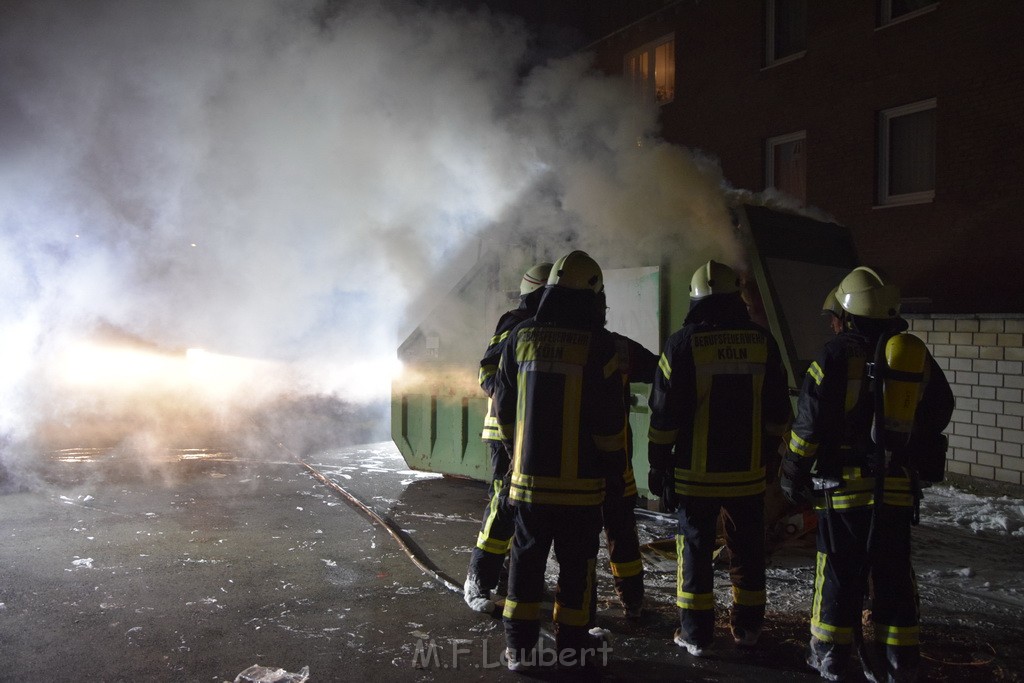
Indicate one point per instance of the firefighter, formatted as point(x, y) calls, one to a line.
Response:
point(559, 403)
point(637, 364)
point(849, 454)
point(495, 536)
point(719, 407)
point(833, 311)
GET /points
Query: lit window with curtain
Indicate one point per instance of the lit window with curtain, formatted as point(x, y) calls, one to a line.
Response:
point(651, 70)
point(906, 146)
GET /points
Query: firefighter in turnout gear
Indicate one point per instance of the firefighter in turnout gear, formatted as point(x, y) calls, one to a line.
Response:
point(495, 536)
point(854, 455)
point(833, 311)
point(719, 407)
point(559, 403)
point(637, 364)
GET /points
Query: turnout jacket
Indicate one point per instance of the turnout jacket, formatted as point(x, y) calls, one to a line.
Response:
point(559, 402)
point(719, 392)
point(832, 428)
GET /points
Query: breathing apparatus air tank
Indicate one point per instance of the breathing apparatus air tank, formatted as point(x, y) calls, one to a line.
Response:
point(902, 382)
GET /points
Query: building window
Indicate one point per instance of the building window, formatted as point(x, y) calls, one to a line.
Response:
point(785, 30)
point(891, 11)
point(906, 154)
point(652, 70)
point(786, 168)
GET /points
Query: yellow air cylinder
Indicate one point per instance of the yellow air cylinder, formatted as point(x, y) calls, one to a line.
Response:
point(905, 356)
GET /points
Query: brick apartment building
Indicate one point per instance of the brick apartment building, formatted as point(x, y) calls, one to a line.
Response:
point(900, 119)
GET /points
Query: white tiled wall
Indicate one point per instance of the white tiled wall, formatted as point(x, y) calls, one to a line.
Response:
point(983, 359)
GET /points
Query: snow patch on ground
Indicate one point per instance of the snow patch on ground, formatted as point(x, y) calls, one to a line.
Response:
point(946, 505)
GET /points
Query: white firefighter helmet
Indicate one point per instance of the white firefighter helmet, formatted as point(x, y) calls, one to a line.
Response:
point(864, 293)
point(535, 278)
point(576, 270)
point(713, 278)
point(831, 304)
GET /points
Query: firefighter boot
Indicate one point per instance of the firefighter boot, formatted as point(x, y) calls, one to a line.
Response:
point(830, 660)
point(476, 596)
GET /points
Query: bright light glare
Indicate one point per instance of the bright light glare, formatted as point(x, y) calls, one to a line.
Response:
point(364, 380)
point(129, 373)
point(90, 366)
point(108, 369)
point(222, 376)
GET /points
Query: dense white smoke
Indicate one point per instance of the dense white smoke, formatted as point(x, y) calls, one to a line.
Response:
point(272, 181)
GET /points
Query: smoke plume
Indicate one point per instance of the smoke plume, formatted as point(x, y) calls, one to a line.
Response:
point(277, 181)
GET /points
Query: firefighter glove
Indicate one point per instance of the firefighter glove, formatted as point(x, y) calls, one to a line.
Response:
point(662, 484)
point(659, 456)
point(505, 490)
point(796, 479)
point(660, 478)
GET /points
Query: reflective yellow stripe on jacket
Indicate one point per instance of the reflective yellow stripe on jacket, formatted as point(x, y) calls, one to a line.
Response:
point(492, 430)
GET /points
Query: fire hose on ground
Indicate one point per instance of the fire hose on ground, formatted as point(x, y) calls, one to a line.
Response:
point(408, 546)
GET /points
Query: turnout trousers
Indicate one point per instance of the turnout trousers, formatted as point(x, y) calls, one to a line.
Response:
point(574, 532)
point(623, 543)
point(695, 545)
point(845, 568)
point(495, 536)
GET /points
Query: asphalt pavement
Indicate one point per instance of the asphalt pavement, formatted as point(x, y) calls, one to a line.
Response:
point(195, 565)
